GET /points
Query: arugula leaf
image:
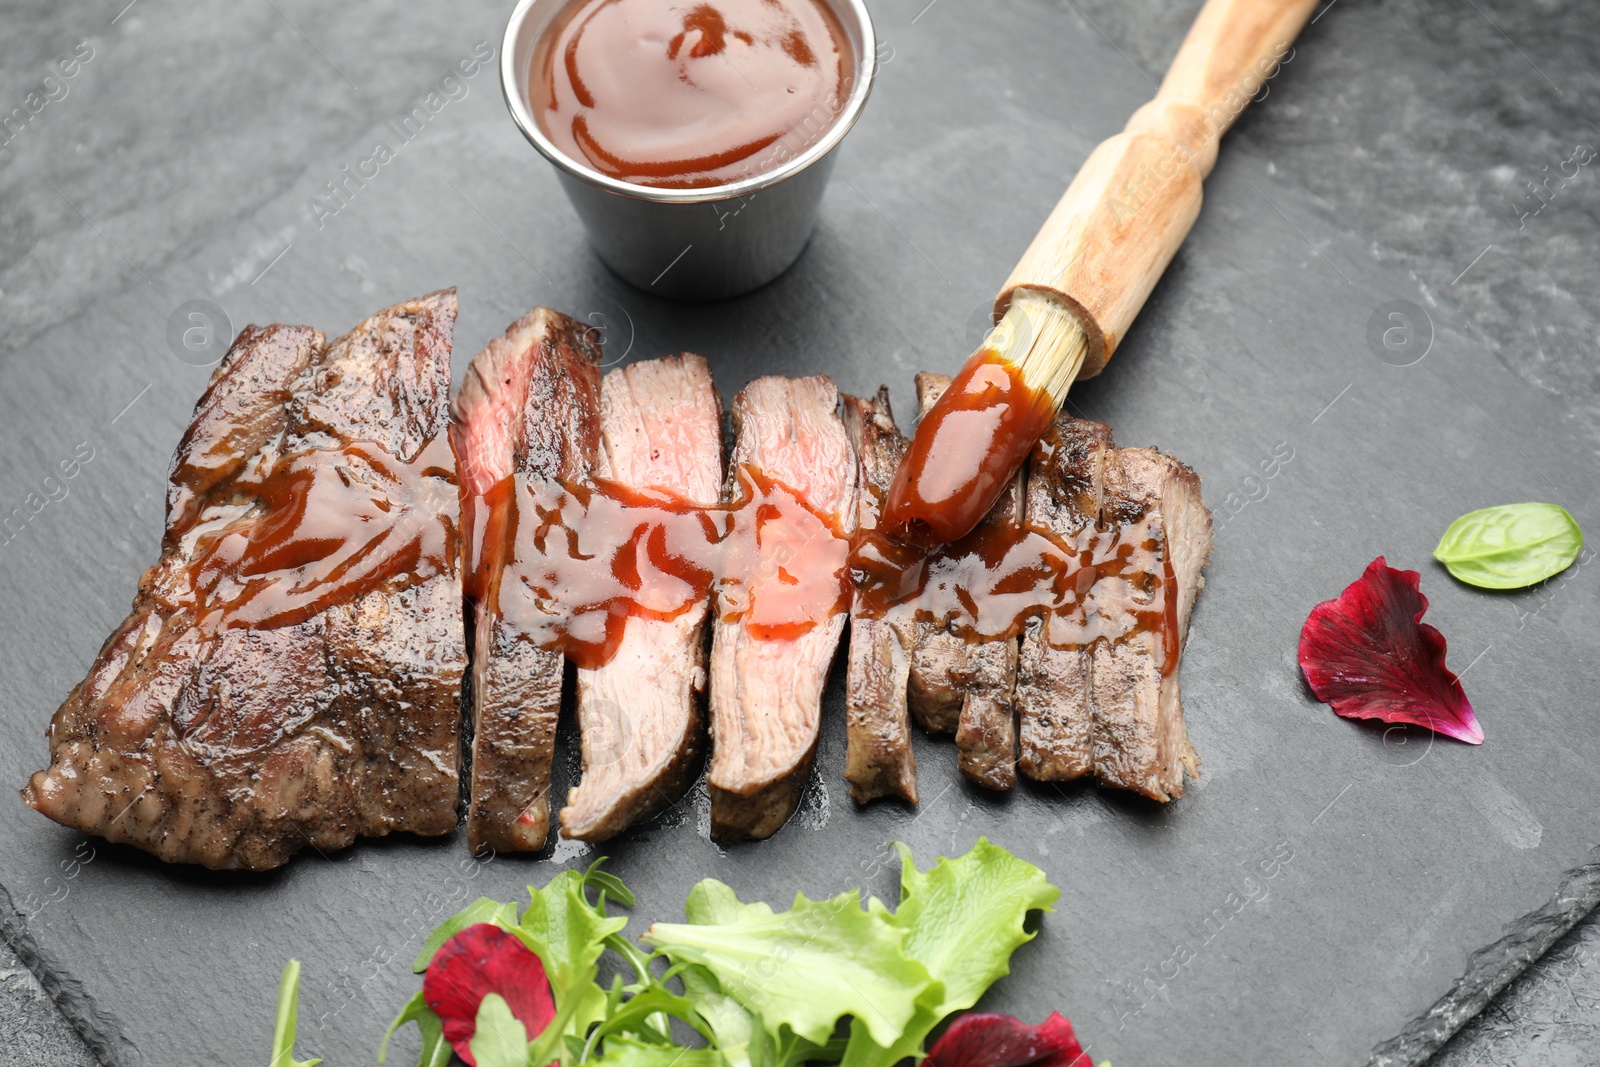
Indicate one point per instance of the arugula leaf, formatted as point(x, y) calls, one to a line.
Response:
point(436, 1050)
point(805, 968)
point(1510, 546)
point(568, 934)
point(500, 1039)
point(963, 919)
point(288, 1019)
point(638, 1013)
point(482, 910)
point(607, 882)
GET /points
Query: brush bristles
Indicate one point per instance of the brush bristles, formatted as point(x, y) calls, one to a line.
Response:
point(1044, 340)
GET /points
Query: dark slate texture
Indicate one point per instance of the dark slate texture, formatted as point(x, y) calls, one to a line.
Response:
point(1384, 164)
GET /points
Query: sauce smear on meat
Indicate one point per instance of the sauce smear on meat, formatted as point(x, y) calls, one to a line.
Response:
point(987, 585)
point(336, 524)
point(580, 559)
point(576, 560)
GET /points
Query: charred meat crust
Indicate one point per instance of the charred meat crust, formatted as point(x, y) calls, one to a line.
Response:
point(766, 695)
point(1140, 742)
point(1112, 709)
point(1066, 483)
point(236, 748)
point(879, 761)
point(642, 726)
point(239, 415)
point(529, 408)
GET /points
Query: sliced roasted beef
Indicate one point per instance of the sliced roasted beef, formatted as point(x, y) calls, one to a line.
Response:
point(1066, 481)
point(878, 757)
point(1153, 503)
point(964, 686)
point(938, 657)
point(766, 692)
point(529, 410)
point(290, 672)
point(642, 728)
point(239, 416)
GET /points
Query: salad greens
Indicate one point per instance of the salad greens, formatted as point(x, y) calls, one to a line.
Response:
point(737, 984)
point(288, 1019)
point(501, 1040)
point(963, 919)
point(803, 969)
point(1510, 546)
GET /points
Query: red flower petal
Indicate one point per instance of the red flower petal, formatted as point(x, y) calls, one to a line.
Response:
point(979, 1039)
point(1370, 655)
point(480, 960)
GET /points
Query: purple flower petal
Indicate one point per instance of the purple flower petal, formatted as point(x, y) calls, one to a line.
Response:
point(1370, 656)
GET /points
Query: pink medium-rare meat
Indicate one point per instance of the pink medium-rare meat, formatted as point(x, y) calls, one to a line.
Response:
point(639, 714)
point(258, 704)
point(766, 693)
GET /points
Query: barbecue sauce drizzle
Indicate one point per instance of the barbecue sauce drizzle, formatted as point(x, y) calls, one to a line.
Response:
point(316, 529)
point(567, 563)
point(1098, 584)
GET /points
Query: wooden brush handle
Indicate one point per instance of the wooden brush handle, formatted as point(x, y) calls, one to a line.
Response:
point(1134, 199)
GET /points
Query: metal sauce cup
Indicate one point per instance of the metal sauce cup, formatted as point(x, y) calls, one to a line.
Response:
point(693, 244)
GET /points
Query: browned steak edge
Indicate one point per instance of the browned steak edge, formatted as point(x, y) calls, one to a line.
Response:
point(879, 761)
point(529, 407)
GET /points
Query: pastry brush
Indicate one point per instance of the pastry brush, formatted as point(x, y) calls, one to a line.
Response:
point(1078, 287)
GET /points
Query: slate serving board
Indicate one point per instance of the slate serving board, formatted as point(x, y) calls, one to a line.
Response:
point(1315, 892)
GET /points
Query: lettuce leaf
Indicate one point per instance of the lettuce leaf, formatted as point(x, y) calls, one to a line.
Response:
point(623, 1053)
point(734, 1029)
point(763, 988)
point(500, 1039)
point(803, 969)
point(963, 919)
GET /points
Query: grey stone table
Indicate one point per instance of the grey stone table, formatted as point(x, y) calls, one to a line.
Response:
point(181, 122)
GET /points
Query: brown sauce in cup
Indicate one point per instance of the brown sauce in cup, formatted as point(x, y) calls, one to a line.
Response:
point(689, 95)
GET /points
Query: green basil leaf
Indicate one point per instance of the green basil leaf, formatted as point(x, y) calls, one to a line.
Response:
point(1510, 546)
